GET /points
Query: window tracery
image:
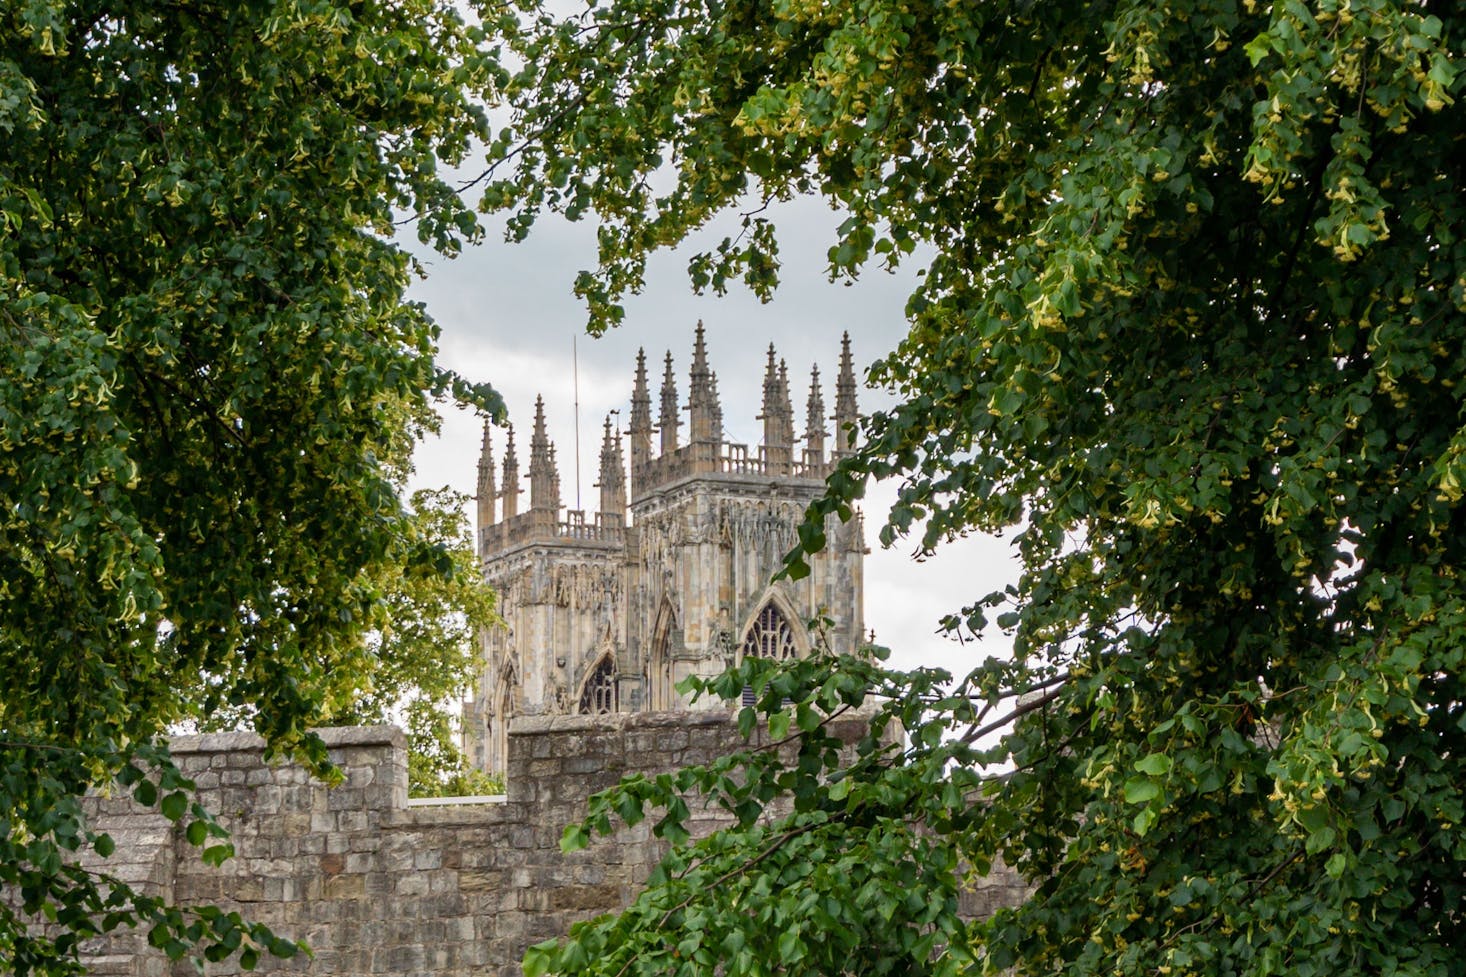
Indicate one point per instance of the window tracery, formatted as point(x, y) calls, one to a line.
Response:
point(659, 665)
point(599, 696)
point(770, 636)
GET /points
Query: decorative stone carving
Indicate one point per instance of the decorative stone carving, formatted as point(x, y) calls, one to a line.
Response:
point(664, 585)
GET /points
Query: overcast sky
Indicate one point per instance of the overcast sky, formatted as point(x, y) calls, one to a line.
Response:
point(509, 318)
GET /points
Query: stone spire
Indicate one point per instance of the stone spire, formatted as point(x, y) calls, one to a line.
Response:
point(641, 416)
point(717, 407)
point(612, 482)
point(786, 406)
point(543, 480)
point(486, 492)
point(778, 427)
point(771, 396)
point(845, 409)
point(669, 419)
point(814, 423)
point(702, 397)
point(510, 492)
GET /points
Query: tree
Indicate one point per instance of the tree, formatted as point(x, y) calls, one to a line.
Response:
point(1190, 332)
point(207, 366)
point(421, 654)
point(426, 653)
point(436, 766)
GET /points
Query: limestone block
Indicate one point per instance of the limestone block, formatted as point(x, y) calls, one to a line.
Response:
point(351, 821)
point(379, 887)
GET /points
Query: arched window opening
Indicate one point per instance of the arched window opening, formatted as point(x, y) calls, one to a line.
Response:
point(599, 697)
point(770, 636)
point(659, 665)
point(497, 721)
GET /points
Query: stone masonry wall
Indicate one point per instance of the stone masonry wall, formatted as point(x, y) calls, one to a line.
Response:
point(380, 885)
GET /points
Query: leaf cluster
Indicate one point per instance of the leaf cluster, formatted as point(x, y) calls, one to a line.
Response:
point(1190, 335)
point(50, 866)
point(436, 767)
point(208, 376)
point(842, 832)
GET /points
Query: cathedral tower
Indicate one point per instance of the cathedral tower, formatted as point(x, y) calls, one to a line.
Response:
point(671, 578)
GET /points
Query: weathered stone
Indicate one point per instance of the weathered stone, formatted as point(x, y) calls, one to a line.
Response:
point(669, 579)
point(447, 890)
point(346, 887)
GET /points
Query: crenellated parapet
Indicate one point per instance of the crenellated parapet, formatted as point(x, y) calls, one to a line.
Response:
point(706, 451)
point(703, 453)
point(380, 884)
point(545, 521)
point(543, 526)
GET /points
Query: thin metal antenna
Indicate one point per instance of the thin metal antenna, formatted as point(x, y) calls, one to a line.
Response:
point(575, 375)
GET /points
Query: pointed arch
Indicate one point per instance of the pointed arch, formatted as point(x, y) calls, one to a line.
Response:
point(772, 633)
point(501, 706)
point(659, 662)
point(598, 695)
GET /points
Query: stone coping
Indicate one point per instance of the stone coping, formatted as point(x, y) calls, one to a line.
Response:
point(332, 736)
point(466, 800)
point(617, 722)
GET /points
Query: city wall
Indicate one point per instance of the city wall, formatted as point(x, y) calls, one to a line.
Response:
point(378, 884)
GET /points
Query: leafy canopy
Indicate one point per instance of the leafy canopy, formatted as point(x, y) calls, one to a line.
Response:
point(207, 368)
point(420, 656)
point(1191, 334)
point(425, 655)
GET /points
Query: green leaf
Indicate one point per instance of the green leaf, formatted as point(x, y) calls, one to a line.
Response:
point(1140, 791)
point(1258, 48)
point(1154, 764)
point(539, 958)
point(216, 855)
point(174, 805)
point(628, 808)
point(574, 838)
point(789, 948)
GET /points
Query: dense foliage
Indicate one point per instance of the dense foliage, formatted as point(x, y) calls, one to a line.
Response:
point(420, 656)
point(207, 367)
point(426, 648)
point(436, 765)
point(425, 654)
point(1191, 334)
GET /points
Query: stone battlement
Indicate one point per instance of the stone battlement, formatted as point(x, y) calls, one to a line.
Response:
point(379, 884)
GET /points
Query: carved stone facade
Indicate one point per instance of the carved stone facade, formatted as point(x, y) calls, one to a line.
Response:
point(671, 579)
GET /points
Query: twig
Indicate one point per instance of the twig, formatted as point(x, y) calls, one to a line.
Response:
point(1022, 710)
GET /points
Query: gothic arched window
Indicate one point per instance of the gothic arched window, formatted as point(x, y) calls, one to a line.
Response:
point(770, 636)
point(659, 665)
point(599, 696)
point(498, 716)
